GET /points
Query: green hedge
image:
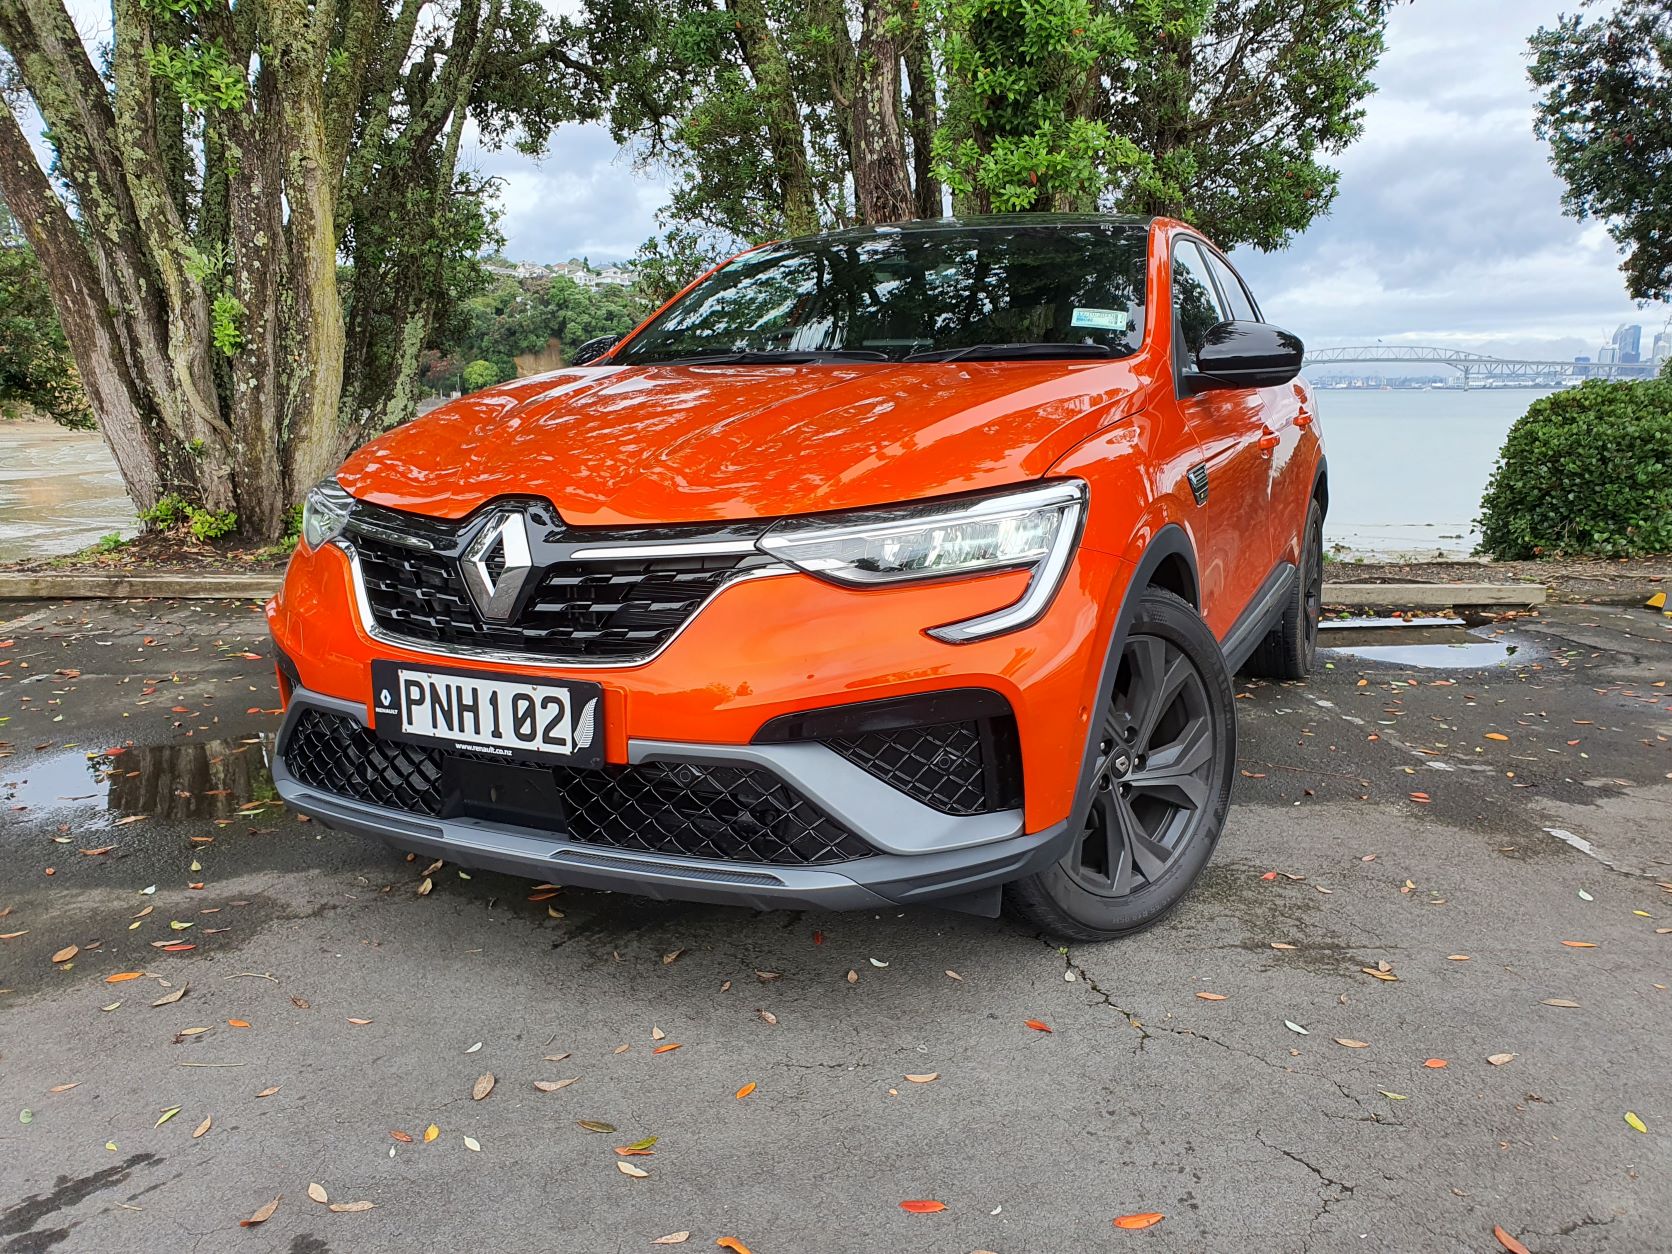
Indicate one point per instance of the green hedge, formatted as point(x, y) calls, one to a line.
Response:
point(1586, 472)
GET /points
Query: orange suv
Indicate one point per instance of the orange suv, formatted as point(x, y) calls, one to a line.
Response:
point(896, 565)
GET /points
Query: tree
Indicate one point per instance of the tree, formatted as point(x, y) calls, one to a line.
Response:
point(514, 318)
point(478, 375)
point(208, 176)
point(1606, 112)
point(778, 117)
point(35, 364)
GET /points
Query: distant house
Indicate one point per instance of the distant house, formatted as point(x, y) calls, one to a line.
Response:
point(578, 270)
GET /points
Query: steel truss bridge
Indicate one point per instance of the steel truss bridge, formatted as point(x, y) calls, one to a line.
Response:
point(1479, 368)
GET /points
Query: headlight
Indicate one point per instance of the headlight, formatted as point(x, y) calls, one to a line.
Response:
point(324, 512)
point(1032, 529)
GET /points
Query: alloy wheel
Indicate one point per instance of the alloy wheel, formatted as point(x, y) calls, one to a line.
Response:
point(1154, 774)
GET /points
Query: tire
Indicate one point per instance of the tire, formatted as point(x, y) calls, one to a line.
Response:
point(1150, 828)
point(1288, 650)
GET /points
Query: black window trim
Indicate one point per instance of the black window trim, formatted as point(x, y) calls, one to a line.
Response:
point(1181, 363)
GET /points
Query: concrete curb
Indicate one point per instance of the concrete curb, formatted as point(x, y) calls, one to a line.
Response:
point(1433, 595)
point(62, 585)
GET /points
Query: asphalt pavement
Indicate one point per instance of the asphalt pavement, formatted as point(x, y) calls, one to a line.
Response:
point(1417, 995)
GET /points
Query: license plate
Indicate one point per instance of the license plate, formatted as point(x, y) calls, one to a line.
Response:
point(545, 720)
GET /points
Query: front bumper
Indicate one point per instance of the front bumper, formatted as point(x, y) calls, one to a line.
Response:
point(921, 855)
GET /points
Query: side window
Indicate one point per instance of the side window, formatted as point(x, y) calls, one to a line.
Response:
point(1236, 293)
point(1196, 306)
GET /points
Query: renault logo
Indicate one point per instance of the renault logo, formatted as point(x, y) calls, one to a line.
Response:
point(496, 593)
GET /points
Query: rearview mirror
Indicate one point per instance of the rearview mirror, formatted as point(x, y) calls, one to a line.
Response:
point(595, 348)
point(1245, 355)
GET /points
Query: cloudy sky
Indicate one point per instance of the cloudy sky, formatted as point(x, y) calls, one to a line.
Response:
point(1448, 229)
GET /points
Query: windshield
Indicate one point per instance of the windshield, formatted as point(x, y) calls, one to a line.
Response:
point(1068, 290)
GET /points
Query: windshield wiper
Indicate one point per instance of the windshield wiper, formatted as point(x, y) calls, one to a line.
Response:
point(1003, 352)
point(769, 357)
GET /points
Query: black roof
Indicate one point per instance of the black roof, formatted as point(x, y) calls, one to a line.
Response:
point(984, 222)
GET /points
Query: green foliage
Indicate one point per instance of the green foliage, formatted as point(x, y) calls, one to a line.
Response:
point(36, 368)
point(1606, 112)
point(479, 374)
point(1587, 471)
point(665, 264)
point(173, 511)
point(201, 76)
point(519, 318)
point(1236, 106)
point(1019, 131)
point(109, 543)
point(226, 324)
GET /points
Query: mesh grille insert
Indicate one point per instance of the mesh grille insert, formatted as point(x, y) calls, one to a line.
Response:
point(968, 767)
point(727, 813)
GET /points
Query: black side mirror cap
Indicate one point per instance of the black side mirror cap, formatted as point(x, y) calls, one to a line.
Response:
point(595, 348)
point(1245, 355)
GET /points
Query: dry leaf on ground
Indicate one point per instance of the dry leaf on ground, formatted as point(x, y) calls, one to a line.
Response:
point(1509, 1242)
point(744, 1091)
point(628, 1169)
point(673, 1238)
point(923, 1206)
point(926, 1078)
point(317, 1192)
point(263, 1215)
point(1037, 1026)
point(202, 1127)
point(1145, 1219)
point(551, 1086)
point(482, 1087)
point(347, 1208)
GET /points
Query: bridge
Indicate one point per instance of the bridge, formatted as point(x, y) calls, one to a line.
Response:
point(1477, 367)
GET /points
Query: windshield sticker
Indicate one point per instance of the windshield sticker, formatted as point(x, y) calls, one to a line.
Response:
point(1099, 319)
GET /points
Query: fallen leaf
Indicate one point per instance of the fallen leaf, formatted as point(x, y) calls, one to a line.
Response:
point(1508, 1242)
point(426, 886)
point(1560, 1001)
point(359, 1023)
point(317, 1192)
point(1580, 944)
point(927, 1078)
point(1281, 945)
point(877, 962)
point(482, 1087)
point(671, 957)
point(194, 1031)
point(166, 1116)
point(923, 1207)
point(1498, 1060)
point(64, 1088)
point(744, 1091)
point(1421, 798)
point(1585, 896)
point(237, 1023)
point(732, 1244)
point(955, 976)
point(26, 1115)
point(403, 1137)
point(1635, 1122)
point(349, 1208)
point(202, 1127)
point(1148, 1219)
point(301, 1003)
point(269, 1092)
point(1387, 976)
point(263, 1215)
point(595, 1125)
point(663, 1049)
point(431, 1132)
point(1434, 1064)
point(628, 1169)
point(622, 1049)
point(1496, 736)
point(656, 1034)
point(768, 1018)
point(112, 1006)
point(66, 953)
point(122, 977)
point(551, 1086)
point(13, 935)
point(168, 999)
point(1295, 1027)
point(1350, 1043)
point(1211, 996)
point(1393, 1097)
point(673, 1238)
point(1457, 957)
point(1037, 1026)
point(853, 977)
point(556, 1057)
point(473, 1145)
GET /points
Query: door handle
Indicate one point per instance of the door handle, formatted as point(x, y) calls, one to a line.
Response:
point(1269, 439)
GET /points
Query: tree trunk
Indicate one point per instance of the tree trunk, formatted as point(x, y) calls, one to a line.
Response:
point(920, 73)
point(881, 177)
point(771, 71)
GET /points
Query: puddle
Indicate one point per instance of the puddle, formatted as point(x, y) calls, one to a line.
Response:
point(211, 779)
point(1424, 643)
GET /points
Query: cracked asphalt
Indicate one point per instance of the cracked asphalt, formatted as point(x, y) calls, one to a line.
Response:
point(1453, 825)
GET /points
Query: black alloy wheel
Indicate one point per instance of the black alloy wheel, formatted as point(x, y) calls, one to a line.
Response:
point(1160, 782)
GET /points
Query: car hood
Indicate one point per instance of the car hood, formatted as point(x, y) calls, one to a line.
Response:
point(612, 446)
